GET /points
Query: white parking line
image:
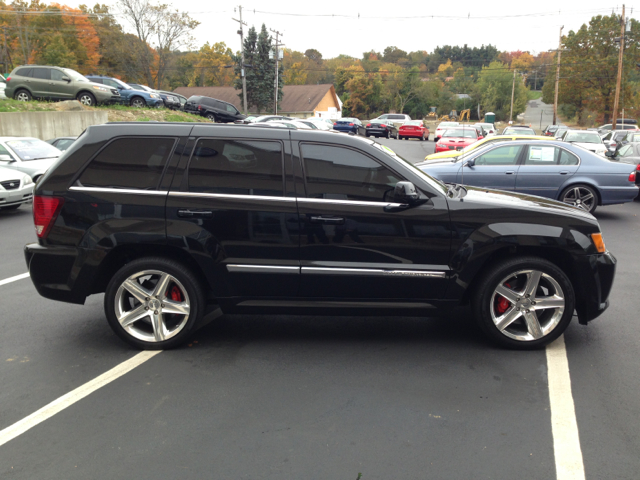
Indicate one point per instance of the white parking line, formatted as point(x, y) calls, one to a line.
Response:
point(13, 279)
point(564, 426)
point(73, 396)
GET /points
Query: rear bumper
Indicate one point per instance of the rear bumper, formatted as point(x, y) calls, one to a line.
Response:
point(412, 134)
point(593, 281)
point(613, 195)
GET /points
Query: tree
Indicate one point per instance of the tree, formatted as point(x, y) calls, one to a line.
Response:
point(494, 87)
point(57, 53)
point(208, 67)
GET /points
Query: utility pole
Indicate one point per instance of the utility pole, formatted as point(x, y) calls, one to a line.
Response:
point(242, 74)
point(555, 100)
point(275, 82)
point(513, 89)
point(614, 121)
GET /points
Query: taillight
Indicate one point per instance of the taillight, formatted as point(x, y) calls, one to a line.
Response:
point(45, 212)
point(351, 124)
point(335, 123)
point(368, 125)
point(199, 107)
point(638, 167)
point(8, 78)
point(632, 177)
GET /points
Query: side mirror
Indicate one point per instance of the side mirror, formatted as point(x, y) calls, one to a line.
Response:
point(608, 153)
point(66, 79)
point(469, 163)
point(405, 192)
point(6, 158)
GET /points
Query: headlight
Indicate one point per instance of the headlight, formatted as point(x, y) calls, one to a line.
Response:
point(155, 95)
point(102, 89)
point(441, 145)
point(26, 180)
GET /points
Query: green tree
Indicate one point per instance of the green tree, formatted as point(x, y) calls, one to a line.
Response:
point(57, 53)
point(494, 86)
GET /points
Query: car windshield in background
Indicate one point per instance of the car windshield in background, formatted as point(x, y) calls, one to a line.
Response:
point(416, 123)
point(583, 138)
point(33, 149)
point(518, 131)
point(121, 83)
point(448, 124)
point(461, 133)
point(634, 138)
point(75, 75)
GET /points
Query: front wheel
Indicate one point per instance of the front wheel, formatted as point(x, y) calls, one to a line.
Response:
point(581, 196)
point(523, 302)
point(138, 102)
point(87, 99)
point(154, 303)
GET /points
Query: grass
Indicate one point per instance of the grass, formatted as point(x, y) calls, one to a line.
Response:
point(9, 106)
point(534, 94)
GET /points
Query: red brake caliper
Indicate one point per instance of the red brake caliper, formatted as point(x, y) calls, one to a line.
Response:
point(502, 304)
point(175, 294)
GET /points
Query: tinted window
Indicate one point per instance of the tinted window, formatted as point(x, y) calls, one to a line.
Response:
point(135, 163)
point(232, 109)
point(41, 73)
point(241, 167)
point(64, 144)
point(567, 158)
point(505, 155)
point(24, 72)
point(345, 174)
point(57, 75)
point(95, 80)
point(208, 101)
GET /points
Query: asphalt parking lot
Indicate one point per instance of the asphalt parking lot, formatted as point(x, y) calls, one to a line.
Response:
point(317, 397)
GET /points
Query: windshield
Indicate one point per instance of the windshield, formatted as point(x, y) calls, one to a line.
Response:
point(33, 149)
point(416, 123)
point(518, 131)
point(75, 76)
point(583, 138)
point(448, 124)
point(461, 133)
point(121, 83)
point(437, 184)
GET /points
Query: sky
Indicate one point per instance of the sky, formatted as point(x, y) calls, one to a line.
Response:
point(335, 28)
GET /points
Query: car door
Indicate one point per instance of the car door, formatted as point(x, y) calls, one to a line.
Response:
point(352, 246)
point(234, 210)
point(59, 85)
point(40, 79)
point(545, 169)
point(496, 168)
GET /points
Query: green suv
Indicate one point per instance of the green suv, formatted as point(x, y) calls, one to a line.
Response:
point(55, 83)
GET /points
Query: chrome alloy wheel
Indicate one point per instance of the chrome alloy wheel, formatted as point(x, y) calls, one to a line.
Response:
point(152, 306)
point(22, 97)
point(527, 305)
point(581, 197)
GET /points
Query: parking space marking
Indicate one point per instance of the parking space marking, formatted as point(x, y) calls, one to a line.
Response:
point(13, 279)
point(564, 426)
point(74, 396)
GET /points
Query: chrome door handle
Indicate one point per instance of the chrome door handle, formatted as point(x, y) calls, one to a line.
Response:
point(564, 172)
point(327, 220)
point(509, 172)
point(195, 213)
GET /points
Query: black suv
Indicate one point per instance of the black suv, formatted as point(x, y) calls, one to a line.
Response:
point(173, 221)
point(214, 110)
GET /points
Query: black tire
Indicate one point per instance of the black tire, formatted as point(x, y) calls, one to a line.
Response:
point(212, 117)
point(422, 138)
point(400, 137)
point(22, 95)
point(137, 102)
point(366, 134)
point(189, 295)
point(510, 276)
point(87, 99)
point(582, 196)
point(388, 132)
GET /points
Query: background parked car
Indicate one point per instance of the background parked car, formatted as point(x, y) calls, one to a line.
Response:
point(181, 98)
point(169, 99)
point(350, 125)
point(295, 123)
point(16, 188)
point(613, 139)
point(381, 128)
point(321, 123)
point(55, 83)
point(456, 138)
point(490, 128)
point(212, 109)
point(560, 131)
point(588, 140)
point(621, 124)
point(394, 117)
point(414, 129)
point(518, 130)
point(630, 154)
point(552, 169)
point(269, 118)
point(440, 129)
point(3, 85)
point(550, 130)
point(27, 155)
point(62, 143)
point(481, 143)
point(128, 94)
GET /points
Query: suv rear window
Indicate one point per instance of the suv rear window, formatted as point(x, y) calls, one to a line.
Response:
point(135, 163)
point(237, 167)
point(24, 72)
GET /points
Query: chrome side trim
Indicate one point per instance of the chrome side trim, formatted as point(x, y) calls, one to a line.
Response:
point(232, 196)
point(372, 272)
point(331, 201)
point(234, 268)
point(119, 190)
point(332, 304)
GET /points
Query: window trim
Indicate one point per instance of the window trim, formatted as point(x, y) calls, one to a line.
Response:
point(185, 184)
point(327, 200)
point(93, 157)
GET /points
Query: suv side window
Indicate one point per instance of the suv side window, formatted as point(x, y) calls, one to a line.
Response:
point(41, 73)
point(237, 167)
point(96, 80)
point(209, 102)
point(344, 174)
point(24, 72)
point(135, 163)
point(57, 75)
point(231, 109)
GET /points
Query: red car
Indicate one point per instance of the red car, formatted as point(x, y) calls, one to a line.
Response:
point(413, 129)
point(456, 139)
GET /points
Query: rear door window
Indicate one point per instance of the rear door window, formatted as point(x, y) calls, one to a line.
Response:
point(24, 72)
point(132, 162)
point(41, 73)
point(237, 167)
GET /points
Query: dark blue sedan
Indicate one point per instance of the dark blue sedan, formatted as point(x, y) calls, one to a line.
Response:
point(551, 169)
point(350, 125)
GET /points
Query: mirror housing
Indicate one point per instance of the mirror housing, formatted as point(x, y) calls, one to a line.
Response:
point(608, 153)
point(66, 79)
point(6, 158)
point(405, 192)
point(469, 163)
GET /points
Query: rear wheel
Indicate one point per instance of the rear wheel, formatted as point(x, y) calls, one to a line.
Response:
point(154, 303)
point(581, 196)
point(523, 302)
point(87, 99)
point(22, 96)
point(388, 134)
point(212, 117)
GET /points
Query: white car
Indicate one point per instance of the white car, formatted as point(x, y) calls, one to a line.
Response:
point(588, 140)
point(3, 85)
point(321, 123)
point(490, 128)
point(27, 155)
point(400, 118)
point(443, 127)
point(16, 188)
point(293, 123)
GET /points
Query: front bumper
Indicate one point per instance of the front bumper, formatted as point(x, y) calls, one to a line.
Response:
point(593, 280)
point(155, 102)
point(17, 196)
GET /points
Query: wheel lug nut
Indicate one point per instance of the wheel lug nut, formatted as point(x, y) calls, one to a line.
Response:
point(155, 312)
point(147, 299)
point(517, 309)
point(162, 305)
point(146, 308)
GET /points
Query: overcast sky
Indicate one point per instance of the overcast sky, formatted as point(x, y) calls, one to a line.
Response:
point(352, 28)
